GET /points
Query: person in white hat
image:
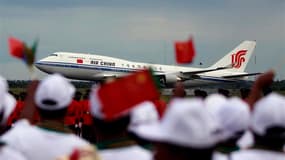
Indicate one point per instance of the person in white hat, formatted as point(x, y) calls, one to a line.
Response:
point(251, 96)
point(7, 105)
point(49, 139)
point(112, 136)
point(84, 153)
point(186, 131)
point(143, 113)
point(268, 129)
point(233, 116)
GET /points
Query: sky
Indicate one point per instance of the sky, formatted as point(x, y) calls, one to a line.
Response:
point(144, 30)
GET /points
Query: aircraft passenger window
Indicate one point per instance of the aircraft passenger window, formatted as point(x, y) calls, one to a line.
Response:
point(128, 65)
point(133, 66)
point(159, 68)
point(139, 66)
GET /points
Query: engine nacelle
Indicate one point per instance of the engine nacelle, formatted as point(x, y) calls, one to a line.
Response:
point(168, 80)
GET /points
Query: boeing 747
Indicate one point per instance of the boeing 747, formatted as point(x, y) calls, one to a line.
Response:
point(229, 69)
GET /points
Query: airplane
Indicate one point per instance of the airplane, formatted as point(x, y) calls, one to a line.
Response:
point(83, 66)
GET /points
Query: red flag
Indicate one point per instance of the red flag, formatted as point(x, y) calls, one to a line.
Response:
point(160, 106)
point(120, 96)
point(15, 115)
point(73, 113)
point(75, 155)
point(16, 47)
point(19, 49)
point(185, 51)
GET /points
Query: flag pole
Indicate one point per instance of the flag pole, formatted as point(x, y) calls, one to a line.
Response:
point(32, 72)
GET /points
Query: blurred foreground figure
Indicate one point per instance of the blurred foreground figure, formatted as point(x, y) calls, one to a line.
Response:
point(143, 114)
point(268, 129)
point(111, 104)
point(83, 153)
point(224, 92)
point(49, 139)
point(233, 117)
point(186, 131)
point(179, 90)
point(7, 105)
point(257, 90)
point(112, 136)
point(200, 93)
point(244, 93)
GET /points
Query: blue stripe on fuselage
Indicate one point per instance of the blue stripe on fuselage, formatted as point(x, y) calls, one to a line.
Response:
point(120, 69)
point(88, 66)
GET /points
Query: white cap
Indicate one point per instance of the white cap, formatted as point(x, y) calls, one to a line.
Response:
point(8, 106)
point(95, 106)
point(233, 117)
point(186, 123)
point(268, 112)
point(56, 88)
point(143, 113)
point(214, 102)
point(7, 101)
point(3, 89)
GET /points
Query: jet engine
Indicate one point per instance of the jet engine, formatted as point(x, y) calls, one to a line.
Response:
point(168, 80)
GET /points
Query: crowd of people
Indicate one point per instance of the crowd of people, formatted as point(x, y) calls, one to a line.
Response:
point(55, 122)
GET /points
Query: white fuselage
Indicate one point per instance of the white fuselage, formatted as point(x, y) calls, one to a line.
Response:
point(95, 67)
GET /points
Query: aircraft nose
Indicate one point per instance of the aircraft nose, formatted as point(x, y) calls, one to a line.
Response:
point(41, 66)
point(37, 64)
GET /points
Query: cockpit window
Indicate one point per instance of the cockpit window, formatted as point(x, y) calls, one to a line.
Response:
point(53, 54)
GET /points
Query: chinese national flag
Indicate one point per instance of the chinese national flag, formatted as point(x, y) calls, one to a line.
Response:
point(16, 47)
point(160, 106)
point(80, 61)
point(120, 96)
point(185, 51)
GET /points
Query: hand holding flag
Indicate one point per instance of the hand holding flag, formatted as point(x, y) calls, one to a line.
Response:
point(185, 51)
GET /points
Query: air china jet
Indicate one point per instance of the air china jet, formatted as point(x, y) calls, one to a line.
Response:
point(228, 70)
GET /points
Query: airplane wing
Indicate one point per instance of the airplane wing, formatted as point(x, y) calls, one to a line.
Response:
point(242, 75)
point(220, 79)
point(173, 77)
point(204, 71)
point(190, 73)
point(194, 74)
point(224, 78)
point(208, 70)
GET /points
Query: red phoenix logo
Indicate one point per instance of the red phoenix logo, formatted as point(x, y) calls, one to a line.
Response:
point(238, 58)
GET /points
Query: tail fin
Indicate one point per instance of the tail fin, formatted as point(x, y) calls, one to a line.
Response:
point(237, 58)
